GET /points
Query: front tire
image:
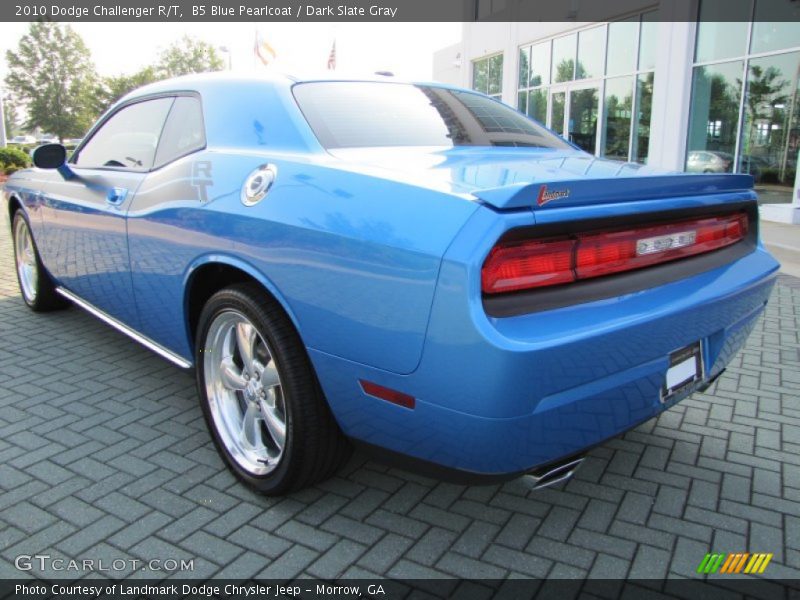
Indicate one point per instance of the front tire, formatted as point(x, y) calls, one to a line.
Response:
point(35, 284)
point(260, 396)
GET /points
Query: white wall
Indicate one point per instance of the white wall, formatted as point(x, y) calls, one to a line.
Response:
point(448, 65)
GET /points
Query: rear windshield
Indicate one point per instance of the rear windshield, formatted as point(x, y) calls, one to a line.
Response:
point(346, 114)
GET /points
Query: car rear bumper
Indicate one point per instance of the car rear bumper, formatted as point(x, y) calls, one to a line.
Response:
point(503, 396)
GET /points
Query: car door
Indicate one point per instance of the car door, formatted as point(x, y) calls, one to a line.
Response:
point(84, 217)
point(167, 224)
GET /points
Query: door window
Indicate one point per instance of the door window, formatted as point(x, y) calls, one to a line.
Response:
point(583, 109)
point(557, 105)
point(128, 139)
point(184, 131)
point(618, 107)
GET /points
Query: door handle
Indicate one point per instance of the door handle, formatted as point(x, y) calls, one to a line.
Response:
point(116, 196)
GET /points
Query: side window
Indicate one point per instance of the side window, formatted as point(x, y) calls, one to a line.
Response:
point(184, 131)
point(129, 138)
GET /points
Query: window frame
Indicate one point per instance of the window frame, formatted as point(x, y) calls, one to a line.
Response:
point(138, 100)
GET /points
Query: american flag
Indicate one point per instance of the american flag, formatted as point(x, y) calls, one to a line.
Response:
point(332, 57)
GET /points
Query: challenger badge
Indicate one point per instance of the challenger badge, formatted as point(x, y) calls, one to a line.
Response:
point(545, 196)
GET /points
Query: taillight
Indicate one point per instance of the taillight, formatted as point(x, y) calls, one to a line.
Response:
point(525, 265)
point(536, 263)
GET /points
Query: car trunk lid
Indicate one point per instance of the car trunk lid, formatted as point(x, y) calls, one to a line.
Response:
point(539, 179)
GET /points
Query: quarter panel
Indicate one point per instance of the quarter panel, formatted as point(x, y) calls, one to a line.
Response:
point(352, 257)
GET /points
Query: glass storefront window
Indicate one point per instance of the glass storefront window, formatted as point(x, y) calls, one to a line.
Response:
point(754, 130)
point(776, 26)
point(647, 41)
point(621, 50)
point(487, 75)
point(564, 51)
point(524, 68)
point(599, 115)
point(495, 75)
point(768, 36)
point(644, 113)
point(584, 105)
point(590, 53)
point(720, 40)
point(540, 64)
point(722, 30)
point(714, 116)
point(771, 129)
point(617, 117)
point(537, 105)
point(558, 103)
point(480, 75)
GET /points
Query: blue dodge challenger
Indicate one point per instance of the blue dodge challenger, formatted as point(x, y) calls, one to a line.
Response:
point(415, 268)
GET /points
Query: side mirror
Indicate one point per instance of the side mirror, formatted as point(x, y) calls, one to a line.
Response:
point(50, 156)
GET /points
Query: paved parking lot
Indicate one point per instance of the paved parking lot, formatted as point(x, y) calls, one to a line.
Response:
point(104, 454)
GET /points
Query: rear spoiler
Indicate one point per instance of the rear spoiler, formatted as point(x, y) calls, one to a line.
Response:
point(581, 192)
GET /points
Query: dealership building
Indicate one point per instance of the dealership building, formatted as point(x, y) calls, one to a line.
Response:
point(654, 85)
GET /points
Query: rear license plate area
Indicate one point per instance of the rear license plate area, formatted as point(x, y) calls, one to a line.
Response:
point(684, 371)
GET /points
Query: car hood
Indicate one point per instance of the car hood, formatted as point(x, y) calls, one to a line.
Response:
point(512, 178)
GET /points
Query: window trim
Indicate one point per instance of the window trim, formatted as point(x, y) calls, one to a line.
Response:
point(139, 99)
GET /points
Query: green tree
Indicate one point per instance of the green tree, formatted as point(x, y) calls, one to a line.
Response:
point(183, 57)
point(565, 70)
point(188, 55)
point(52, 75)
point(112, 89)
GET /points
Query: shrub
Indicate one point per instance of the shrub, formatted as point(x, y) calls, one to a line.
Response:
point(14, 157)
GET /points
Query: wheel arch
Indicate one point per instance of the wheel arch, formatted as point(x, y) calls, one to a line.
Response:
point(211, 273)
point(14, 204)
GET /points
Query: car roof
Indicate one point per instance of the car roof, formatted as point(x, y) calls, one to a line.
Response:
point(204, 80)
point(207, 81)
point(252, 111)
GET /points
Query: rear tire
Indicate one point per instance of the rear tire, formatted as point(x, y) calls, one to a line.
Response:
point(35, 285)
point(260, 396)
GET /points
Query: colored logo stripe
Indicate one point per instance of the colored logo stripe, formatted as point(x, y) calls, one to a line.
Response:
point(758, 563)
point(735, 562)
point(710, 563)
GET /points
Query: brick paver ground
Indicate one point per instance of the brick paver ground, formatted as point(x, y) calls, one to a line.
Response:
point(104, 454)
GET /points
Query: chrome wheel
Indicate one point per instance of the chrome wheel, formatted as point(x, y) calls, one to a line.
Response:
point(27, 268)
point(244, 392)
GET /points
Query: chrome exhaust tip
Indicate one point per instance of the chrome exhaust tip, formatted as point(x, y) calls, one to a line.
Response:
point(554, 473)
